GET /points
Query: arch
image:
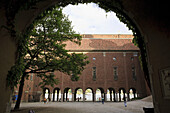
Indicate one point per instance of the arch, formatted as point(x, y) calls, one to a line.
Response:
point(46, 93)
point(115, 6)
point(111, 94)
point(122, 94)
point(158, 21)
point(56, 94)
point(132, 93)
point(67, 95)
point(89, 95)
point(78, 94)
point(99, 94)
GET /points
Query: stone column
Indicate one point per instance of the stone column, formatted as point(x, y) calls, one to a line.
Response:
point(110, 95)
point(124, 96)
point(116, 96)
point(51, 97)
point(128, 97)
point(61, 97)
point(134, 95)
point(94, 97)
point(54, 96)
point(105, 97)
point(72, 97)
point(120, 97)
point(83, 97)
point(57, 95)
point(66, 95)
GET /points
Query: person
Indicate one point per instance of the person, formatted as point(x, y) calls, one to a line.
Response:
point(45, 100)
point(13, 98)
point(99, 99)
point(102, 100)
point(125, 103)
point(31, 111)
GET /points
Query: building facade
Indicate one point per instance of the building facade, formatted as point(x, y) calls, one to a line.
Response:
point(114, 73)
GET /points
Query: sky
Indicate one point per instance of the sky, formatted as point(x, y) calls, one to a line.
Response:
point(90, 19)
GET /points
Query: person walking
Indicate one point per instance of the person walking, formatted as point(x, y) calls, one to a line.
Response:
point(125, 103)
point(102, 99)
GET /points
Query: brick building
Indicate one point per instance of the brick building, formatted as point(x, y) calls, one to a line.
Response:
point(114, 72)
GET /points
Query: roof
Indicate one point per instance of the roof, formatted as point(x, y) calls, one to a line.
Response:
point(103, 42)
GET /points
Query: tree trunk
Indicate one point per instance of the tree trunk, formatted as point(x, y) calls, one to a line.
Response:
point(17, 105)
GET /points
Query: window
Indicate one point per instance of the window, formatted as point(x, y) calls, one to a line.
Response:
point(134, 73)
point(135, 54)
point(94, 73)
point(31, 77)
point(115, 73)
point(114, 58)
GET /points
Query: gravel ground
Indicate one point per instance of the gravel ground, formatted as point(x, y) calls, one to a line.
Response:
point(85, 107)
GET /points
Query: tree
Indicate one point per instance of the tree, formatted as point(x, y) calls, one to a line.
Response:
point(45, 50)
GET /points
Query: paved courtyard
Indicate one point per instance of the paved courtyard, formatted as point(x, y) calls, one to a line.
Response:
point(85, 107)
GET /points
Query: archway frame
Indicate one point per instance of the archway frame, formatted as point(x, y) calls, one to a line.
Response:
point(42, 5)
point(92, 91)
point(112, 5)
point(58, 89)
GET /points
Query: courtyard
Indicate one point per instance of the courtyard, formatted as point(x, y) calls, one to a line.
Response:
point(86, 107)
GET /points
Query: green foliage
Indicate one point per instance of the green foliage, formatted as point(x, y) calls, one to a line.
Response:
point(14, 75)
point(16, 71)
point(48, 79)
point(42, 50)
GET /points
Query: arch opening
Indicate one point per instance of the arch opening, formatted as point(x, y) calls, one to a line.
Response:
point(56, 94)
point(99, 94)
point(89, 94)
point(79, 98)
point(46, 93)
point(67, 95)
point(122, 95)
point(132, 93)
point(78, 95)
point(111, 95)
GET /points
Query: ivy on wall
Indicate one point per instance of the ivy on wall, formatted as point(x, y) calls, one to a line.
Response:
point(15, 6)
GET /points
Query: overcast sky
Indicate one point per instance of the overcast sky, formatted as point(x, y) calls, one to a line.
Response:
point(90, 19)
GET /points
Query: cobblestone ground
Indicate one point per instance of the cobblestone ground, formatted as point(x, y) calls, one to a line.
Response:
point(85, 107)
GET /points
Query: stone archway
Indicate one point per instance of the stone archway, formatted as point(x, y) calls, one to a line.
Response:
point(56, 94)
point(122, 94)
point(89, 94)
point(99, 94)
point(78, 94)
point(132, 93)
point(46, 93)
point(67, 95)
point(111, 94)
point(148, 16)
